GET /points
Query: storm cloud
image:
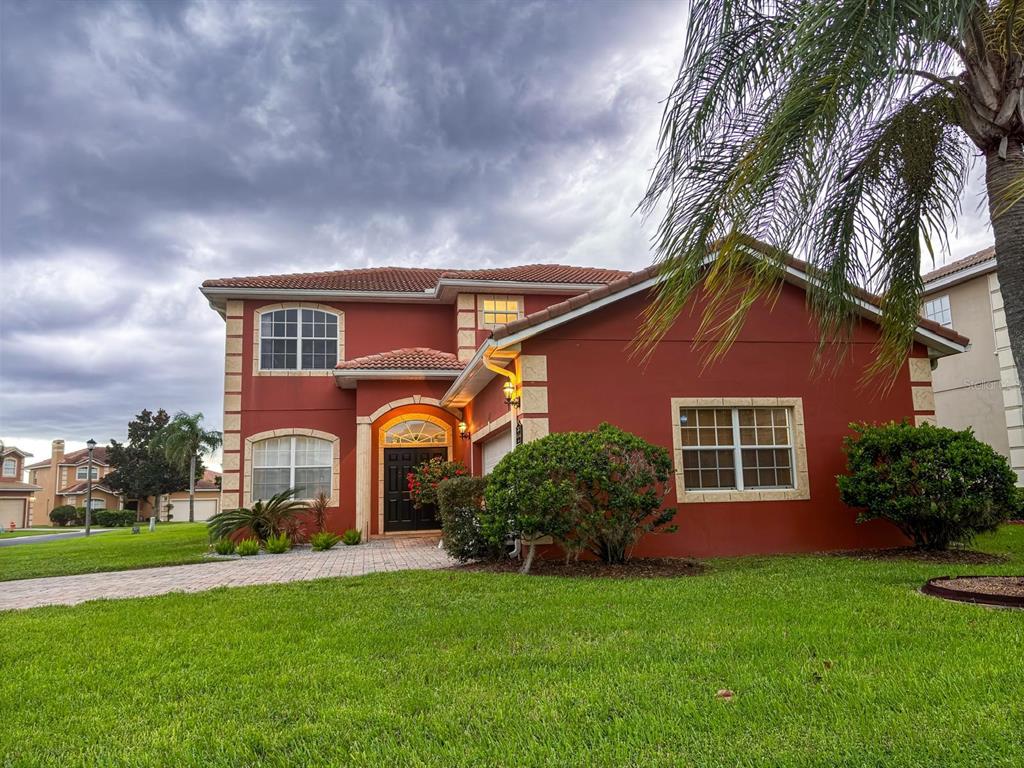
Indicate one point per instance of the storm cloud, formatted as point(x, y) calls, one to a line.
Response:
point(146, 147)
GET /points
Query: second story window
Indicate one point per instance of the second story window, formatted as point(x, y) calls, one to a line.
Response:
point(937, 309)
point(298, 339)
point(82, 473)
point(10, 467)
point(498, 310)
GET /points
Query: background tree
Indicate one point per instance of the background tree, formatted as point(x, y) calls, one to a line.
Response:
point(139, 469)
point(183, 441)
point(844, 132)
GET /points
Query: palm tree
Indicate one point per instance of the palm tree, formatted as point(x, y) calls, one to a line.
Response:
point(842, 130)
point(183, 439)
point(272, 517)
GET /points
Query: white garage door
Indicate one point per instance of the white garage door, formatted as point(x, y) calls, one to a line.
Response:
point(205, 509)
point(12, 510)
point(495, 448)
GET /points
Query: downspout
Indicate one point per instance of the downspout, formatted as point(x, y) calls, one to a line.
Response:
point(511, 376)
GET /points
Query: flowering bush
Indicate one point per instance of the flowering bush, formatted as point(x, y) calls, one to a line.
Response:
point(425, 478)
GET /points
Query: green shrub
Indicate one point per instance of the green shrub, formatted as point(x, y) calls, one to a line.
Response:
point(936, 485)
point(248, 547)
point(460, 502)
point(62, 515)
point(351, 537)
point(279, 543)
point(114, 518)
point(323, 540)
point(226, 546)
point(600, 490)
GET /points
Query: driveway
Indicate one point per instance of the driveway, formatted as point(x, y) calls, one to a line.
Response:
point(394, 554)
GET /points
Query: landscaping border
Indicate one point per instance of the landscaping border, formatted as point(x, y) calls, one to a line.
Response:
point(934, 588)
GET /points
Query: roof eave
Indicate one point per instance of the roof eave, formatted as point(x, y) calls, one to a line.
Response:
point(346, 378)
point(960, 276)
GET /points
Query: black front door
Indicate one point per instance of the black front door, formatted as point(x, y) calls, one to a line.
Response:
point(399, 513)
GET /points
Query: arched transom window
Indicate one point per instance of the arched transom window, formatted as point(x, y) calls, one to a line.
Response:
point(416, 432)
point(298, 339)
point(299, 462)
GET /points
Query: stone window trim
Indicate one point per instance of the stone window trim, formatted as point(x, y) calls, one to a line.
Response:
point(295, 432)
point(257, 314)
point(801, 489)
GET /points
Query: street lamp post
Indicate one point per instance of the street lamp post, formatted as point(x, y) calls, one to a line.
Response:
point(88, 489)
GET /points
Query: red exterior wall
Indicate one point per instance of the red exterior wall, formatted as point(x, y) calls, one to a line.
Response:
point(592, 378)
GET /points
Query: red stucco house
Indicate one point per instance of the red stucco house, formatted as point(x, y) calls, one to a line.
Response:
point(345, 380)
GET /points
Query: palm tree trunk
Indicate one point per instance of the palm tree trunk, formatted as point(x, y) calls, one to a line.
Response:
point(192, 489)
point(1008, 226)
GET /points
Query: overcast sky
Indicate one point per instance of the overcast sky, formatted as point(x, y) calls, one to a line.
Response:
point(146, 147)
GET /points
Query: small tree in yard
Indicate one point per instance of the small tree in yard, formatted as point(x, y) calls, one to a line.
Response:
point(936, 485)
point(182, 440)
point(599, 490)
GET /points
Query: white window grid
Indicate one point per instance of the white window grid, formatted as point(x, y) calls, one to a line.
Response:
point(304, 335)
point(939, 310)
point(291, 453)
point(736, 448)
point(10, 467)
point(498, 310)
point(82, 473)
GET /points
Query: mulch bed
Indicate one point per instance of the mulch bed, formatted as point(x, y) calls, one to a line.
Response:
point(1005, 591)
point(953, 556)
point(640, 568)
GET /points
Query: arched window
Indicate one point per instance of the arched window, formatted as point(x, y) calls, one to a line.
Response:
point(416, 432)
point(298, 339)
point(299, 462)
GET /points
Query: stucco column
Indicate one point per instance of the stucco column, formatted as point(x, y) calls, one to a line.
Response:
point(364, 442)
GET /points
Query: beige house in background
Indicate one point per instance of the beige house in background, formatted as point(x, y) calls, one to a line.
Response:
point(979, 388)
point(64, 479)
point(15, 493)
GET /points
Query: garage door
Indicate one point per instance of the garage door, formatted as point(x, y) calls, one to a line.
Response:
point(495, 448)
point(12, 510)
point(205, 509)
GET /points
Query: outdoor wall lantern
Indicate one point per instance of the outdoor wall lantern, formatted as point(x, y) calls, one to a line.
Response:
point(509, 390)
point(463, 430)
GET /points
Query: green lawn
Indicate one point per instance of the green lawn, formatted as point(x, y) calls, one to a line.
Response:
point(833, 661)
point(115, 550)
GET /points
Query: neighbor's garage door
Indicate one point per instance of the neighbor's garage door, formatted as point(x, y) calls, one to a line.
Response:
point(495, 448)
point(205, 509)
point(12, 510)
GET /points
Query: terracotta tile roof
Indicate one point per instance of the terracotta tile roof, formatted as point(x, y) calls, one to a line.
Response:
point(208, 481)
point(961, 264)
point(563, 307)
point(408, 359)
point(16, 485)
point(83, 486)
point(416, 280)
point(99, 456)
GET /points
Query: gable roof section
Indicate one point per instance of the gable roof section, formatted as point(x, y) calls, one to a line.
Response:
point(408, 363)
point(8, 450)
point(11, 486)
point(980, 263)
point(83, 486)
point(99, 456)
point(935, 336)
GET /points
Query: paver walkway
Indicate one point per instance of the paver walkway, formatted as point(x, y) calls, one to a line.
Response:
point(395, 554)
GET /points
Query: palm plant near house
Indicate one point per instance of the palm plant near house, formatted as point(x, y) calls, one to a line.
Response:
point(183, 439)
point(843, 131)
point(273, 517)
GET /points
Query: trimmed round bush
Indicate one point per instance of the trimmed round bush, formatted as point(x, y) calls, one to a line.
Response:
point(63, 515)
point(600, 490)
point(937, 485)
point(460, 502)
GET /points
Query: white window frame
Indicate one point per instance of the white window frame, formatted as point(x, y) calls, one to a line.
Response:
point(797, 439)
point(13, 464)
point(98, 500)
point(484, 298)
point(299, 338)
point(291, 463)
point(82, 473)
point(939, 310)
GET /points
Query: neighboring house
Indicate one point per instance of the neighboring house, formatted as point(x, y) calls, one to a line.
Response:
point(343, 381)
point(980, 388)
point(64, 480)
point(15, 493)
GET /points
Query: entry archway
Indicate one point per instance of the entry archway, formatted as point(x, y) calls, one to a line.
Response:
point(404, 442)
